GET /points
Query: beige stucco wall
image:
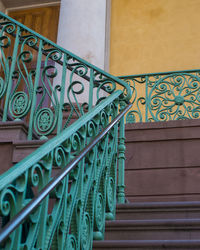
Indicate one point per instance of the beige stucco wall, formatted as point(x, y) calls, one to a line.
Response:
point(154, 35)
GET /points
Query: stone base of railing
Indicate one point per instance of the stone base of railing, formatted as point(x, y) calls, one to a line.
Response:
point(163, 161)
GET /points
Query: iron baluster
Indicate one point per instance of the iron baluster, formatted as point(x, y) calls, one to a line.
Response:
point(62, 94)
point(12, 69)
point(37, 78)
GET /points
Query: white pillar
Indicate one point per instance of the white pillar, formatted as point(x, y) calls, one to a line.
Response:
point(84, 27)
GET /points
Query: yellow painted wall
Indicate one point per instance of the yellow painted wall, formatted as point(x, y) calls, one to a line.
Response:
point(154, 35)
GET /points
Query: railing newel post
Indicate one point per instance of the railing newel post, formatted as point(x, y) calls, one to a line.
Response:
point(121, 158)
point(146, 98)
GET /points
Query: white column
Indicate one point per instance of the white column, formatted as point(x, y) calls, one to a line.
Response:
point(84, 27)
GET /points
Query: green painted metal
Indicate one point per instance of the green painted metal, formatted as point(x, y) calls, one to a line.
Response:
point(36, 83)
point(121, 159)
point(74, 213)
point(166, 96)
point(7, 67)
point(43, 84)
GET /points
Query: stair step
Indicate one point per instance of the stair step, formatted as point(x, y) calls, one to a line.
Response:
point(146, 244)
point(162, 161)
point(158, 210)
point(23, 148)
point(157, 229)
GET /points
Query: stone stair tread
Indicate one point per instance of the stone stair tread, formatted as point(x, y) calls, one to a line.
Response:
point(158, 210)
point(29, 143)
point(153, 222)
point(22, 148)
point(148, 244)
point(157, 205)
point(153, 229)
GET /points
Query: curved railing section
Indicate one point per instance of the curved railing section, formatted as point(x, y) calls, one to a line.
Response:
point(73, 210)
point(46, 85)
point(164, 96)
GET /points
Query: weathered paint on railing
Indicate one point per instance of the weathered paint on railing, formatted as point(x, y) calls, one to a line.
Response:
point(164, 96)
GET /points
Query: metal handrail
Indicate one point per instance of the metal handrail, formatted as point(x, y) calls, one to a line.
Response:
point(160, 73)
point(18, 219)
point(54, 142)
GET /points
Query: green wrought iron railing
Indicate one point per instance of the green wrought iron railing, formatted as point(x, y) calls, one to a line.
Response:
point(77, 201)
point(45, 85)
point(164, 96)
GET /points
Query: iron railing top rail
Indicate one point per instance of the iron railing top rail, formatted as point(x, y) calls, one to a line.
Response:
point(50, 145)
point(18, 218)
point(160, 73)
point(102, 72)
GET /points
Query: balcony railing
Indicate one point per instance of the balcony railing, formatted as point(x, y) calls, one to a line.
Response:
point(164, 96)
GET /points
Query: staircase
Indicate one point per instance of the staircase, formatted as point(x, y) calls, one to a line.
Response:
point(167, 220)
point(162, 161)
point(162, 209)
point(153, 225)
point(162, 189)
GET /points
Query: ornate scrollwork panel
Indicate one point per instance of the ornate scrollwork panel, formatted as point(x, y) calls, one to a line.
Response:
point(174, 97)
point(21, 95)
point(47, 86)
point(164, 96)
point(76, 209)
